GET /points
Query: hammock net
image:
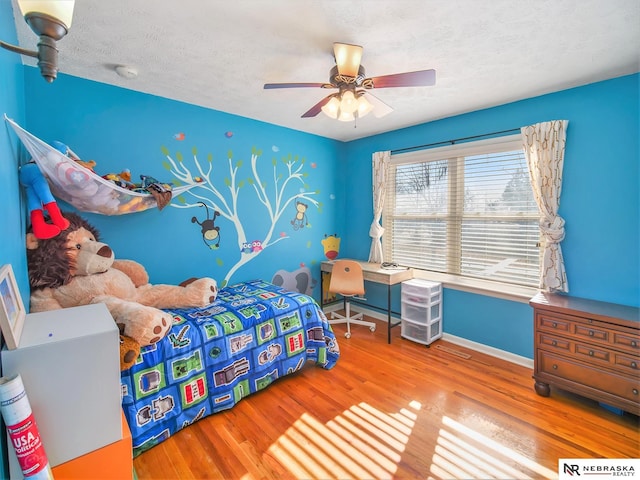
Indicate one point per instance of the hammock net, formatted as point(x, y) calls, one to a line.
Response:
point(80, 186)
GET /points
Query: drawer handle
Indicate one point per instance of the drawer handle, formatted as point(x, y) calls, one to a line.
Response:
point(554, 324)
point(554, 343)
point(634, 365)
point(591, 333)
point(635, 391)
point(555, 367)
point(634, 343)
point(591, 353)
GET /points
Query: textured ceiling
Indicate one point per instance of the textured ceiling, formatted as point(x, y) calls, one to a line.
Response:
point(218, 54)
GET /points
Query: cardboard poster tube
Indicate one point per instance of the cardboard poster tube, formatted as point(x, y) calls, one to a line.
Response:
point(23, 431)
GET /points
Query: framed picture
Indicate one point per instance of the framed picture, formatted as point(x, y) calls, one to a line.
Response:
point(12, 311)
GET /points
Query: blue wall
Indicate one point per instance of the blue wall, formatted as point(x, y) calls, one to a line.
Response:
point(599, 201)
point(121, 129)
point(12, 218)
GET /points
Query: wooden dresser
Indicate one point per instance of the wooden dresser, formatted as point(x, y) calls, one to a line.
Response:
point(587, 347)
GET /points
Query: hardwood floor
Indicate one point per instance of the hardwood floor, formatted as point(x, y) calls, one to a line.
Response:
point(401, 411)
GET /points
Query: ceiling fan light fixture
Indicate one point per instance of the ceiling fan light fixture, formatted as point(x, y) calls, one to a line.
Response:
point(50, 20)
point(364, 106)
point(346, 116)
point(348, 102)
point(347, 106)
point(331, 108)
point(348, 58)
point(354, 99)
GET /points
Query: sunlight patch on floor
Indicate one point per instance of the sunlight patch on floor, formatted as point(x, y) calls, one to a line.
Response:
point(362, 442)
point(463, 453)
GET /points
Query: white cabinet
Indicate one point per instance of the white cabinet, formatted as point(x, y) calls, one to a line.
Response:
point(421, 310)
point(69, 361)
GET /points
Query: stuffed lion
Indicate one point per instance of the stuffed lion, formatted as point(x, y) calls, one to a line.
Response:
point(75, 268)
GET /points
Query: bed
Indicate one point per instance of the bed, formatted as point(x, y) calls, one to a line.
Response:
point(254, 333)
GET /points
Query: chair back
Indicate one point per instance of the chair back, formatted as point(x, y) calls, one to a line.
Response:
point(346, 278)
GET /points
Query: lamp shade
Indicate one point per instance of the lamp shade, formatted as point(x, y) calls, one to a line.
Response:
point(347, 58)
point(331, 108)
point(348, 102)
point(60, 9)
point(364, 107)
point(346, 116)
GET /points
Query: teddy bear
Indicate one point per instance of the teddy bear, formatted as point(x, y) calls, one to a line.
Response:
point(76, 268)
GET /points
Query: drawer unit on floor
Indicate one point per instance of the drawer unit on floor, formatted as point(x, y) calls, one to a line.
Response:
point(421, 311)
point(421, 301)
point(421, 332)
point(587, 347)
point(421, 291)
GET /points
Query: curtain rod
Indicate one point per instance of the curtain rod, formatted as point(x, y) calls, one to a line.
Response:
point(452, 142)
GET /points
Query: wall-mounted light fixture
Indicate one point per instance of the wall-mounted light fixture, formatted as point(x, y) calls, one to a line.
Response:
point(50, 20)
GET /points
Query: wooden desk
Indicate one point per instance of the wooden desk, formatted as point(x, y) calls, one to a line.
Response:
point(374, 273)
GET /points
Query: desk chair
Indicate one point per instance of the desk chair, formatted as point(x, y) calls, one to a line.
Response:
point(347, 280)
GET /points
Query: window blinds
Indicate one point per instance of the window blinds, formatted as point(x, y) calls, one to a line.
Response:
point(465, 210)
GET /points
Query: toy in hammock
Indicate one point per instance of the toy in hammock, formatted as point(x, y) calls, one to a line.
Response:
point(84, 189)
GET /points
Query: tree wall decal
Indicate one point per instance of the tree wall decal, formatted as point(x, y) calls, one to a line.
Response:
point(220, 190)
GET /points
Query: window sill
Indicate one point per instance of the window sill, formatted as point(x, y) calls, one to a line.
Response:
point(504, 291)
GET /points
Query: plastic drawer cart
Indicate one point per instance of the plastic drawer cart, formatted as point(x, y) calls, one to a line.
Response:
point(421, 310)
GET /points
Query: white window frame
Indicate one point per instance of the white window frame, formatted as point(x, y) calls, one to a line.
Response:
point(492, 288)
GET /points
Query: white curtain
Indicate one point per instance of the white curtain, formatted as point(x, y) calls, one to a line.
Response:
point(544, 145)
point(380, 161)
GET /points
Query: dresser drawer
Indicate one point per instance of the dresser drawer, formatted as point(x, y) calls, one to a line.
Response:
point(554, 343)
point(628, 363)
point(629, 342)
point(590, 353)
point(588, 332)
point(582, 374)
point(548, 323)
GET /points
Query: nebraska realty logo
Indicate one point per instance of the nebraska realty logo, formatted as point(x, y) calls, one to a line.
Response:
point(598, 468)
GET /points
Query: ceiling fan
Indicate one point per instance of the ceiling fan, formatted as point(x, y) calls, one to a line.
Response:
point(353, 99)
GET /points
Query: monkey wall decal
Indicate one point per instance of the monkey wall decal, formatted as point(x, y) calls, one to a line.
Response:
point(210, 232)
point(300, 220)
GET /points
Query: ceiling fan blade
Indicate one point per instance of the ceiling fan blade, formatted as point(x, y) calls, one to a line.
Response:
point(421, 78)
point(380, 109)
point(348, 58)
point(317, 108)
point(268, 86)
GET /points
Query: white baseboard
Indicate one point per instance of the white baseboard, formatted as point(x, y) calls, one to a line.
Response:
point(494, 352)
point(463, 342)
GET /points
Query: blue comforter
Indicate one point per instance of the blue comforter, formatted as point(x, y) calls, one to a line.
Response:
point(253, 334)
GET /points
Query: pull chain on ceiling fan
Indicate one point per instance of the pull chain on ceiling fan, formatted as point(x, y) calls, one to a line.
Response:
point(353, 99)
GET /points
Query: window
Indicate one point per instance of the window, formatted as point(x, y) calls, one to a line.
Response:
point(466, 210)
